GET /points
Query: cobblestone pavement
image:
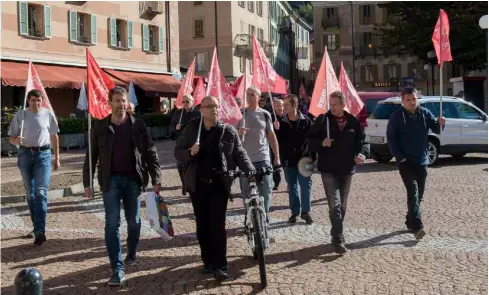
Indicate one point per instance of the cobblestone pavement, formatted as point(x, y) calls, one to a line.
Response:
point(385, 259)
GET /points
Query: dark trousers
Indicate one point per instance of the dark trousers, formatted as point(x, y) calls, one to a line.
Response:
point(337, 189)
point(181, 168)
point(210, 204)
point(414, 178)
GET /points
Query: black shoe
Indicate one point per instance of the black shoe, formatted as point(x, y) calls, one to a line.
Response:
point(30, 235)
point(419, 234)
point(307, 217)
point(207, 269)
point(340, 248)
point(117, 278)
point(275, 188)
point(184, 191)
point(293, 218)
point(130, 259)
point(220, 275)
point(40, 239)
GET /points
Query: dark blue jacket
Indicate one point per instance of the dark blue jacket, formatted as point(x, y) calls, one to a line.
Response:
point(407, 134)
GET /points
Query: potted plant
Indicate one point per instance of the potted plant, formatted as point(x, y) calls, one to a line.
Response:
point(7, 115)
point(71, 132)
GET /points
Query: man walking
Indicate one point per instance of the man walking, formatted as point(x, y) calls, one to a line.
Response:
point(39, 135)
point(292, 141)
point(407, 137)
point(259, 134)
point(126, 153)
point(179, 121)
point(219, 150)
point(338, 156)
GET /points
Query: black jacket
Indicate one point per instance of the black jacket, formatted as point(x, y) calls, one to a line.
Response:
point(102, 140)
point(292, 141)
point(231, 152)
point(339, 159)
point(186, 118)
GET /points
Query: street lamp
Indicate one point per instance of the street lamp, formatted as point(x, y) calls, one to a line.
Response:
point(483, 22)
point(432, 62)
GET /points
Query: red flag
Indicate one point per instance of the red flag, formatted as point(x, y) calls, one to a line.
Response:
point(98, 86)
point(354, 103)
point(187, 85)
point(199, 92)
point(218, 87)
point(263, 71)
point(235, 86)
point(441, 38)
point(324, 86)
point(243, 85)
point(302, 90)
point(33, 82)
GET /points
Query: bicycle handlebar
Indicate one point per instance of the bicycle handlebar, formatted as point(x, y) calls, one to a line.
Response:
point(260, 173)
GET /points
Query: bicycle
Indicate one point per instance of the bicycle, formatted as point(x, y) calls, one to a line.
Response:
point(256, 225)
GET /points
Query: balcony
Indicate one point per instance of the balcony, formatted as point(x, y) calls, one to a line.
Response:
point(243, 46)
point(83, 39)
point(151, 8)
point(330, 22)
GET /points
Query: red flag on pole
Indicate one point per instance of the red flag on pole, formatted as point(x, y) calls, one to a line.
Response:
point(199, 92)
point(302, 90)
point(244, 83)
point(263, 71)
point(326, 83)
point(98, 86)
point(441, 38)
point(33, 82)
point(218, 87)
point(354, 103)
point(187, 85)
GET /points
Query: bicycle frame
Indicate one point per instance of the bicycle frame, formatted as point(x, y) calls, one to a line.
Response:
point(254, 202)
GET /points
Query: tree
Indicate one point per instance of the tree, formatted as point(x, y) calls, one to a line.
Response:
point(306, 12)
point(413, 23)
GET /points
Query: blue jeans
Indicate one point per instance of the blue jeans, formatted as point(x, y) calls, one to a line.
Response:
point(129, 191)
point(264, 189)
point(35, 168)
point(294, 178)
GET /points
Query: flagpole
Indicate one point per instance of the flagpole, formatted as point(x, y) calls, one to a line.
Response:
point(268, 88)
point(326, 89)
point(441, 91)
point(89, 132)
point(244, 99)
point(29, 74)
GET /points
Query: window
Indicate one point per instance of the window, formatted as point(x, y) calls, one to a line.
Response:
point(83, 28)
point(366, 11)
point(242, 61)
point(34, 20)
point(391, 72)
point(369, 73)
point(251, 30)
point(197, 2)
point(241, 3)
point(259, 8)
point(384, 111)
point(121, 32)
point(331, 42)
point(466, 111)
point(260, 35)
point(200, 61)
point(153, 39)
point(273, 33)
point(330, 12)
point(449, 110)
point(368, 40)
point(198, 28)
point(251, 6)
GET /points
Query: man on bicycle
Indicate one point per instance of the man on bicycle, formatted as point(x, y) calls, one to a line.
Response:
point(258, 130)
point(219, 149)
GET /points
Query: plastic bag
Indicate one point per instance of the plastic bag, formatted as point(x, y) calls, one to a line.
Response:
point(158, 216)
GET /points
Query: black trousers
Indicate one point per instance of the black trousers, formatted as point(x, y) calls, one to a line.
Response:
point(210, 204)
point(414, 178)
point(180, 168)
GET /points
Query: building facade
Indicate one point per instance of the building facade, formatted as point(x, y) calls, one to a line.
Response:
point(131, 41)
point(347, 30)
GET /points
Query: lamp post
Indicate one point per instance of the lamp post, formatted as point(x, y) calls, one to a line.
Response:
point(432, 62)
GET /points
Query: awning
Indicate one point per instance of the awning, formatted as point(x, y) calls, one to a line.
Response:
point(15, 74)
point(148, 81)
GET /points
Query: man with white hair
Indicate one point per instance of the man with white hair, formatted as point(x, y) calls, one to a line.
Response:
point(179, 121)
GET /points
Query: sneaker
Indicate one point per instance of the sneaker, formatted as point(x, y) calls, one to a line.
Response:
point(293, 218)
point(341, 249)
point(207, 269)
point(130, 259)
point(30, 235)
point(220, 275)
point(40, 239)
point(419, 234)
point(117, 278)
point(307, 217)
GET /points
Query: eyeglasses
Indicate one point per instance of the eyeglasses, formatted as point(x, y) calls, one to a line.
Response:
point(185, 101)
point(210, 107)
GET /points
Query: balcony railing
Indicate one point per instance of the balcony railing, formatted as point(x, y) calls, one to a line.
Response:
point(330, 22)
point(35, 33)
point(243, 46)
point(83, 39)
point(151, 7)
point(122, 44)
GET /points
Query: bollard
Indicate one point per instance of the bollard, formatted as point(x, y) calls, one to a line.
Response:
point(28, 282)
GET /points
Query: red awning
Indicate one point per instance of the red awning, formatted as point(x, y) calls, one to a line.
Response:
point(52, 76)
point(148, 81)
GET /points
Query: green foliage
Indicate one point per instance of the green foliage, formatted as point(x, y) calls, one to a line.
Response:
point(72, 126)
point(415, 22)
point(7, 116)
point(156, 119)
point(306, 12)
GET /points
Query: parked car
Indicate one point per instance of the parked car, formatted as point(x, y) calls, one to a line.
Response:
point(465, 130)
point(370, 99)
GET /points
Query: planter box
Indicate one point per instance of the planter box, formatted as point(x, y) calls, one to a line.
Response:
point(8, 148)
point(67, 141)
point(159, 132)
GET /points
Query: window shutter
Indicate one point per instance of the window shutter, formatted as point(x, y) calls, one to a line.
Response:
point(337, 41)
point(129, 34)
point(47, 21)
point(398, 71)
point(375, 72)
point(373, 17)
point(386, 73)
point(160, 38)
point(145, 37)
point(93, 28)
point(113, 32)
point(73, 26)
point(23, 18)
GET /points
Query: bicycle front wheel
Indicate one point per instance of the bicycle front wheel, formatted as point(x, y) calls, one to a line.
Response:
point(259, 251)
